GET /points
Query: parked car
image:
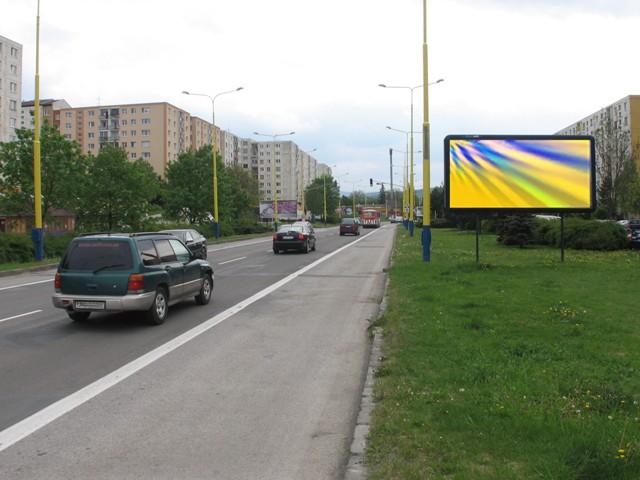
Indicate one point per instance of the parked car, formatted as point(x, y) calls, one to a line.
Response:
point(194, 241)
point(349, 225)
point(121, 272)
point(633, 233)
point(294, 237)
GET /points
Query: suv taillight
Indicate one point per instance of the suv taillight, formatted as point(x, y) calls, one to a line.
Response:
point(136, 283)
point(57, 282)
point(301, 236)
point(275, 237)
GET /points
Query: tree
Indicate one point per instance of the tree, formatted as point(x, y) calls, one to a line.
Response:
point(118, 193)
point(516, 230)
point(63, 170)
point(382, 195)
point(437, 202)
point(314, 195)
point(188, 194)
point(613, 154)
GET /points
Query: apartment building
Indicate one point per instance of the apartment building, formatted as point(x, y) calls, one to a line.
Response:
point(47, 108)
point(10, 88)
point(624, 115)
point(201, 132)
point(155, 132)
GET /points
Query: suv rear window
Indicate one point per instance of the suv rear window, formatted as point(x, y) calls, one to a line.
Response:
point(96, 254)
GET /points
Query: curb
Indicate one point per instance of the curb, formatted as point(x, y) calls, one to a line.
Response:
point(356, 466)
point(38, 268)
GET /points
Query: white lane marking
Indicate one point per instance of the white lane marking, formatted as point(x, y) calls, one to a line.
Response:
point(25, 284)
point(234, 260)
point(35, 422)
point(18, 316)
point(216, 249)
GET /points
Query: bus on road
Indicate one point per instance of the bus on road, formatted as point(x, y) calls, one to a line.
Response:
point(370, 218)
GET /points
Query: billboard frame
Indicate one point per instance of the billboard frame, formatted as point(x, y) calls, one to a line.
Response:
point(506, 210)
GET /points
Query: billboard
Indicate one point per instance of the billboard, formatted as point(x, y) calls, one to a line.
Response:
point(535, 173)
point(287, 210)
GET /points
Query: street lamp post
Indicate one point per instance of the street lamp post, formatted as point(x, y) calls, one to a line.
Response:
point(273, 172)
point(214, 144)
point(426, 143)
point(406, 190)
point(411, 187)
point(37, 233)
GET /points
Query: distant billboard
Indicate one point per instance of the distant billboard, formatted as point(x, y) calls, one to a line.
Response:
point(536, 173)
point(287, 210)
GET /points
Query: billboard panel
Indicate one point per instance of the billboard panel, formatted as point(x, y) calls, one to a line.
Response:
point(542, 173)
point(287, 210)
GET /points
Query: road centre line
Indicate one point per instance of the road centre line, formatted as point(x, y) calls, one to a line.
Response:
point(38, 420)
point(18, 316)
point(234, 260)
point(25, 284)
point(237, 246)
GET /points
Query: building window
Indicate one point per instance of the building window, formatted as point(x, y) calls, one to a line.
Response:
point(13, 87)
point(133, 133)
point(67, 136)
point(92, 124)
point(134, 155)
point(123, 144)
point(13, 69)
point(92, 135)
point(145, 110)
point(12, 122)
point(133, 144)
point(123, 122)
point(12, 105)
point(146, 154)
point(67, 125)
point(123, 111)
point(92, 146)
point(133, 110)
point(146, 144)
point(67, 114)
point(133, 121)
point(146, 121)
point(123, 133)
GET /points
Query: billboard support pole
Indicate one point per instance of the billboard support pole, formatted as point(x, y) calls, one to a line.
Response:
point(562, 237)
point(477, 239)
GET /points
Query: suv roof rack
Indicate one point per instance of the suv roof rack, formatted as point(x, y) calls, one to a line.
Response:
point(88, 234)
point(140, 234)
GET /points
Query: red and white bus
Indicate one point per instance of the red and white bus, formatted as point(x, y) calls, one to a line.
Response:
point(370, 218)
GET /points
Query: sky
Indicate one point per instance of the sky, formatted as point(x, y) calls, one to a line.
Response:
point(509, 67)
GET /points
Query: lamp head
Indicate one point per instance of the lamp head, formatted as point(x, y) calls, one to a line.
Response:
point(382, 85)
point(185, 92)
point(239, 88)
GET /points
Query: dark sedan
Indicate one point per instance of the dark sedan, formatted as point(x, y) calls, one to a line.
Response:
point(294, 237)
point(196, 243)
point(349, 225)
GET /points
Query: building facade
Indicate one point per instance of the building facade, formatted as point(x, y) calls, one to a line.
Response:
point(154, 132)
point(624, 116)
point(48, 107)
point(10, 88)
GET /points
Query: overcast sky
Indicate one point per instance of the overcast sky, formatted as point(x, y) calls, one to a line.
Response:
point(314, 67)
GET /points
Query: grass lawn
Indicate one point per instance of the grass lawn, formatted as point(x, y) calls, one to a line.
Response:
point(521, 367)
point(16, 266)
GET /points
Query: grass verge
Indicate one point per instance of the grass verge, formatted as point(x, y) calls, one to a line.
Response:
point(520, 367)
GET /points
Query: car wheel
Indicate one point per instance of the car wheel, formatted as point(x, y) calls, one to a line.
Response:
point(276, 251)
point(79, 316)
point(157, 314)
point(314, 247)
point(341, 234)
point(205, 291)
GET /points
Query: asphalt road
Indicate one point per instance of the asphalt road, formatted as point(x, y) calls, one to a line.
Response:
point(267, 387)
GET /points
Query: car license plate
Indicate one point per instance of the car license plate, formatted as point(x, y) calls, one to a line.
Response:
point(287, 237)
point(87, 305)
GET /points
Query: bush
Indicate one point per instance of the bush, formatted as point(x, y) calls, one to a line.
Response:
point(15, 248)
point(582, 234)
point(516, 230)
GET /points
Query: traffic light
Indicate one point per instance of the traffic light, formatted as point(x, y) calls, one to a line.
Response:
point(371, 182)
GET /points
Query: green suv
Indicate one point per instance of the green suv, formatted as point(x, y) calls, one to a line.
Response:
point(122, 272)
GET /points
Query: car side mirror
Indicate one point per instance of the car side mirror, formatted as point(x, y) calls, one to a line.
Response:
point(189, 242)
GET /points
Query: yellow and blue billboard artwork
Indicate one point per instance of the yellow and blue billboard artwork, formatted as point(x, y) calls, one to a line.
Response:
point(520, 173)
